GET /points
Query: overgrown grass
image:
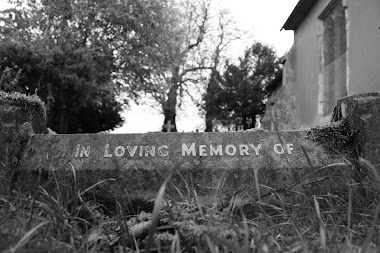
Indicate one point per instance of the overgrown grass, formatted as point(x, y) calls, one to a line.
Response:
point(64, 221)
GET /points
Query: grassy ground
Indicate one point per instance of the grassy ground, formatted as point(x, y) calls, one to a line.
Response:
point(65, 221)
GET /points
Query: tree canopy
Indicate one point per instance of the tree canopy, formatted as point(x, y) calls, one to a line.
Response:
point(238, 94)
point(79, 55)
point(67, 80)
point(193, 43)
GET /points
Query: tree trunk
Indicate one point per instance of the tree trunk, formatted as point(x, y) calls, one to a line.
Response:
point(64, 119)
point(170, 105)
point(209, 122)
point(244, 123)
point(64, 123)
point(210, 106)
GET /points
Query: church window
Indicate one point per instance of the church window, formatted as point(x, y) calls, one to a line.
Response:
point(334, 56)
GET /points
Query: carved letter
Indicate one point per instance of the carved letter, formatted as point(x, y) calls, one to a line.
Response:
point(216, 151)
point(188, 151)
point(289, 148)
point(132, 151)
point(119, 151)
point(243, 149)
point(202, 150)
point(257, 149)
point(150, 150)
point(278, 149)
point(106, 153)
point(76, 151)
point(228, 152)
point(85, 152)
point(162, 152)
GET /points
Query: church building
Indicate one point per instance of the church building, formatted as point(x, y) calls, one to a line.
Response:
point(336, 53)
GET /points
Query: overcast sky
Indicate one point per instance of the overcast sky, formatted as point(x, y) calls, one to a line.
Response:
point(262, 18)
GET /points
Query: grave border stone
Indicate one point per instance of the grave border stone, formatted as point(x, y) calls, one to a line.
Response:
point(195, 163)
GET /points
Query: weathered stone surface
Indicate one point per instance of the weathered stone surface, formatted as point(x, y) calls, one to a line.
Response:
point(282, 102)
point(17, 108)
point(363, 114)
point(20, 117)
point(140, 162)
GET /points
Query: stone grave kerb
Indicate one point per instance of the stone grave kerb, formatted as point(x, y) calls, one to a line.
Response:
point(138, 161)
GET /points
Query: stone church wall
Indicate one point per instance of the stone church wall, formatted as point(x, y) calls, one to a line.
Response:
point(282, 103)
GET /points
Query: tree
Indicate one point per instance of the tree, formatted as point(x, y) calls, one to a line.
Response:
point(181, 62)
point(241, 92)
point(193, 44)
point(64, 79)
point(79, 55)
point(226, 33)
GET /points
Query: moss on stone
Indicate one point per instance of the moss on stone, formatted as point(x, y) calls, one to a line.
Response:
point(27, 101)
point(337, 138)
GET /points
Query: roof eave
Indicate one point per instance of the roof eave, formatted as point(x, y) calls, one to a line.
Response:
point(298, 14)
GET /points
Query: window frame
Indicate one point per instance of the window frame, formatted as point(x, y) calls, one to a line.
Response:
point(323, 100)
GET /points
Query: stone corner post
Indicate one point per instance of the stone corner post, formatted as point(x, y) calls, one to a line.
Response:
point(21, 116)
point(363, 114)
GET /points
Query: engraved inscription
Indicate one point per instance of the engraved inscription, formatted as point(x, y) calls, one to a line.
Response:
point(135, 151)
point(186, 150)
